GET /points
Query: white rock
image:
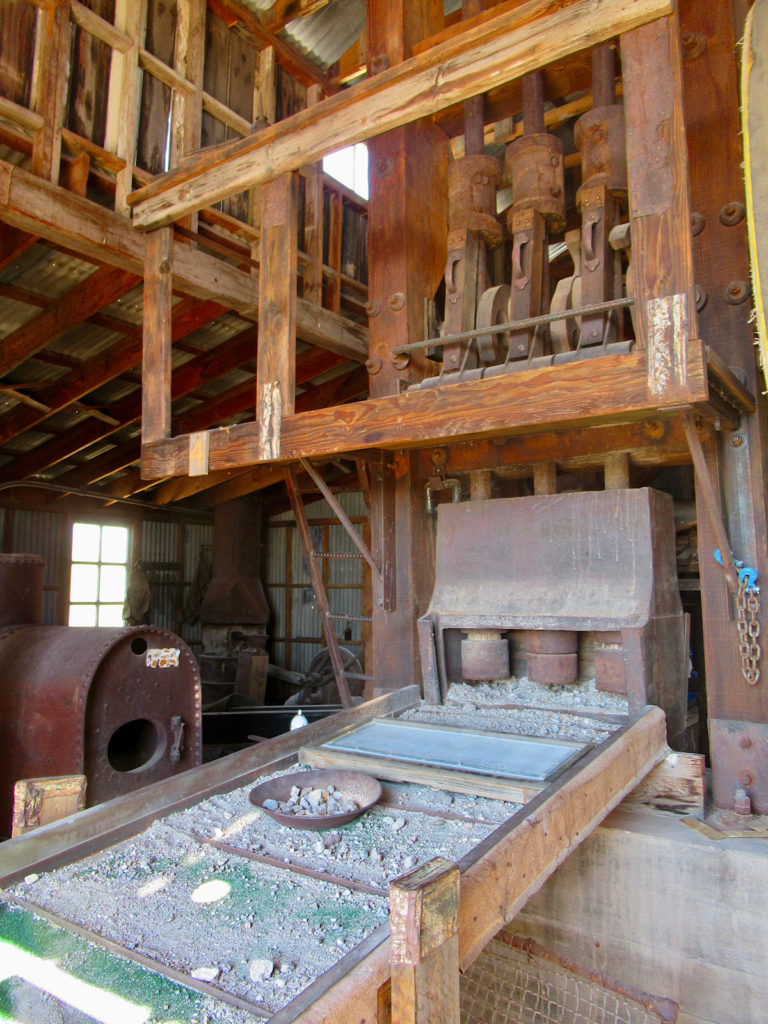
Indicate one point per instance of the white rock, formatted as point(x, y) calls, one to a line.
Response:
point(261, 969)
point(29, 879)
point(205, 973)
point(270, 805)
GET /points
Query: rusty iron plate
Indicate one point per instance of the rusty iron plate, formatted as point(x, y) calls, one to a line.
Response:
point(357, 786)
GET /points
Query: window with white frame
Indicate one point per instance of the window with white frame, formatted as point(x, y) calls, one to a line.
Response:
point(99, 574)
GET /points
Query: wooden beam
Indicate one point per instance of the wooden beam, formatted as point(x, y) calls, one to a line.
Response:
point(49, 87)
point(275, 385)
point(123, 100)
point(613, 388)
point(424, 944)
point(156, 351)
point(501, 50)
point(227, 484)
point(660, 213)
point(99, 27)
point(41, 208)
point(92, 294)
point(12, 244)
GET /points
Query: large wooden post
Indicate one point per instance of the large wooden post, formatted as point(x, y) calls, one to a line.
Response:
point(276, 362)
point(423, 925)
point(156, 360)
point(737, 712)
point(657, 162)
point(406, 254)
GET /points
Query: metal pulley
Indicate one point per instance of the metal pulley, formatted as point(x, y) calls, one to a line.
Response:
point(492, 310)
point(564, 333)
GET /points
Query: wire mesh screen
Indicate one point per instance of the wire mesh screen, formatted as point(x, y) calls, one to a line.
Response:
point(516, 981)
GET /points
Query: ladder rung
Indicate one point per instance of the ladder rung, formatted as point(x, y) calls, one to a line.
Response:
point(335, 554)
point(350, 618)
point(357, 675)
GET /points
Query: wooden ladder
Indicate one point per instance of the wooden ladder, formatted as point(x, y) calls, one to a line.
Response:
point(313, 558)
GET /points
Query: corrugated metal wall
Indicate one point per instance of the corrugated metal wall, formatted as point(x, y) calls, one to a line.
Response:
point(41, 533)
point(295, 629)
point(169, 552)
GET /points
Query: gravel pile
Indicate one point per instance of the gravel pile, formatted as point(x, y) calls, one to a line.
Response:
point(528, 722)
point(582, 695)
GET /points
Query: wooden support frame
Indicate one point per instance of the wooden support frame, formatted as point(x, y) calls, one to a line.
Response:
point(424, 944)
point(49, 86)
point(610, 389)
point(536, 840)
point(123, 102)
point(501, 49)
point(40, 208)
point(318, 586)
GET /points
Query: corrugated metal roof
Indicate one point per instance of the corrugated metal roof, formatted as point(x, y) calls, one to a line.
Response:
point(14, 314)
point(46, 272)
point(329, 32)
point(84, 341)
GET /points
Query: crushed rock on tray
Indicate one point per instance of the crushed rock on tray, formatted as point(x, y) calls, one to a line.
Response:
point(528, 722)
point(139, 895)
point(583, 695)
point(412, 825)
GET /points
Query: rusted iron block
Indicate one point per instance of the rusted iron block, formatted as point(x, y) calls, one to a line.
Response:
point(739, 761)
point(553, 669)
point(472, 184)
point(600, 137)
point(552, 641)
point(484, 656)
point(534, 165)
point(610, 671)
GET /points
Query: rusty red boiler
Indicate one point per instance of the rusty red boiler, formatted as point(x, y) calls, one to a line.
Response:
point(121, 706)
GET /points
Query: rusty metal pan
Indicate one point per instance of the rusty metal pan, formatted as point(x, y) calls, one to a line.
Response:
point(357, 786)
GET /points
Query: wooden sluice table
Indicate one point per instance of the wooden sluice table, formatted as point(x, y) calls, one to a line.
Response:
point(442, 914)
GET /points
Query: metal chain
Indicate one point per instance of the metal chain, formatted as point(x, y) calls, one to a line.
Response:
point(748, 625)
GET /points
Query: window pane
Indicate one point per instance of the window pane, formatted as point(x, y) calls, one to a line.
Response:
point(110, 615)
point(84, 583)
point(82, 615)
point(112, 583)
point(114, 544)
point(85, 542)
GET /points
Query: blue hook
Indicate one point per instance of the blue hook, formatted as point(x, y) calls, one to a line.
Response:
point(745, 572)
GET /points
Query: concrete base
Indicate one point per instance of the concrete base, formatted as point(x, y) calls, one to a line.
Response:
point(654, 904)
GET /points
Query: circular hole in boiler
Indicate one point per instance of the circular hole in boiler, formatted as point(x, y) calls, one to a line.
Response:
point(139, 645)
point(134, 745)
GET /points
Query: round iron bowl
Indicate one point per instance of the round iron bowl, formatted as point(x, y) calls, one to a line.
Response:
point(363, 789)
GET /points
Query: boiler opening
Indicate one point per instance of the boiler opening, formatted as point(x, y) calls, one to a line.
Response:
point(134, 745)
